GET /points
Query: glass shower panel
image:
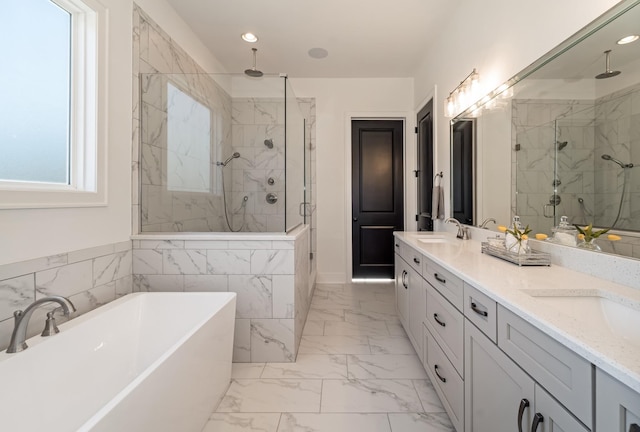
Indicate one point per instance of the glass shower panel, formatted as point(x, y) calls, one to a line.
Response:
point(295, 160)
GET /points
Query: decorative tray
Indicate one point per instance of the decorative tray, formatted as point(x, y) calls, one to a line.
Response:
point(531, 258)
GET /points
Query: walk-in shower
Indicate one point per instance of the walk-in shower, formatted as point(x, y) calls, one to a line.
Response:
point(215, 149)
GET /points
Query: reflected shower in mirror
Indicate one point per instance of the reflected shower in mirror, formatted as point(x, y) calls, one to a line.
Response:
point(566, 138)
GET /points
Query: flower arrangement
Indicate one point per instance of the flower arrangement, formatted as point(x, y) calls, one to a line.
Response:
point(587, 233)
point(520, 235)
point(517, 240)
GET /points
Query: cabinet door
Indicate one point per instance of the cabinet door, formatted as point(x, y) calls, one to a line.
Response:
point(402, 290)
point(553, 416)
point(417, 309)
point(617, 406)
point(497, 392)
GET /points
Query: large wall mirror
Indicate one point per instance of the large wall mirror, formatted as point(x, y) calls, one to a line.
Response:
point(562, 138)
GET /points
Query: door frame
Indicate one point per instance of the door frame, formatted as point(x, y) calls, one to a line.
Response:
point(409, 150)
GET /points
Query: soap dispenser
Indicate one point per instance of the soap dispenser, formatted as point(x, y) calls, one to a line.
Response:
point(565, 233)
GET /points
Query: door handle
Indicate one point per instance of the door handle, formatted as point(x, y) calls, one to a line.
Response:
point(355, 219)
point(523, 404)
point(404, 275)
point(537, 419)
point(443, 379)
point(442, 323)
point(474, 308)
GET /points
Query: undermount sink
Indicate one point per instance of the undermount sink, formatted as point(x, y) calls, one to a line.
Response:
point(594, 310)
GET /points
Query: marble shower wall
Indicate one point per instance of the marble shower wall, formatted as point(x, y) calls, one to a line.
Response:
point(158, 205)
point(89, 278)
point(270, 276)
point(540, 129)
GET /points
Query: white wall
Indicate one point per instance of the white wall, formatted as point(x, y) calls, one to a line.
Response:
point(337, 100)
point(33, 233)
point(499, 38)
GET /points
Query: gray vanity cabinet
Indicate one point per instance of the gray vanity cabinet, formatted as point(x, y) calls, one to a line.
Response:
point(617, 406)
point(501, 397)
point(402, 289)
point(410, 295)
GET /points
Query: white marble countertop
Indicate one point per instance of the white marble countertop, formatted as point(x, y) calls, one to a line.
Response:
point(505, 282)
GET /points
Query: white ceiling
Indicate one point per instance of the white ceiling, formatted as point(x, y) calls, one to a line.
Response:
point(364, 38)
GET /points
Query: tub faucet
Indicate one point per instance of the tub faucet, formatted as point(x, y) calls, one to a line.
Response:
point(484, 223)
point(463, 232)
point(21, 321)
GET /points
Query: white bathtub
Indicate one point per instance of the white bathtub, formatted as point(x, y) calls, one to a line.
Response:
point(145, 362)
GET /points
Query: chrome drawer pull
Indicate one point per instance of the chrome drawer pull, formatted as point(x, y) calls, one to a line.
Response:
point(523, 404)
point(442, 323)
point(439, 279)
point(443, 379)
point(474, 308)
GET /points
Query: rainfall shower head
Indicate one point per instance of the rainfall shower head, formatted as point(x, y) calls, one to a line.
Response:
point(614, 160)
point(269, 143)
point(253, 72)
point(233, 156)
point(608, 73)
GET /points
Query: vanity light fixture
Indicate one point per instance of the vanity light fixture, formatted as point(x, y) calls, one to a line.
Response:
point(628, 39)
point(249, 37)
point(466, 92)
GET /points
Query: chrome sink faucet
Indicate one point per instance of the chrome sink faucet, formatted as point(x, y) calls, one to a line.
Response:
point(21, 320)
point(463, 232)
point(484, 223)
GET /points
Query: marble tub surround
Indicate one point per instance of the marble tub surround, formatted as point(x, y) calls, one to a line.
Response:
point(329, 388)
point(89, 278)
point(269, 273)
point(508, 285)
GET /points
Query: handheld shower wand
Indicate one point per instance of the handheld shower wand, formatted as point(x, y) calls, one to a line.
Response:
point(233, 156)
point(614, 160)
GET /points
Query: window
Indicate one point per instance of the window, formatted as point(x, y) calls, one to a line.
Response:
point(188, 143)
point(51, 136)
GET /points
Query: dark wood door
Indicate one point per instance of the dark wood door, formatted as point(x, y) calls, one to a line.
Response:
point(425, 167)
point(377, 195)
point(462, 173)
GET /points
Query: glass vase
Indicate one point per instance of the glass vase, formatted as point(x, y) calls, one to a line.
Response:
point(589, 245)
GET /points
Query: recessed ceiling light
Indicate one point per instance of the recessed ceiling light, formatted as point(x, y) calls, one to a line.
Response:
point(628, 39)
point(249, 37)
point(318, 53)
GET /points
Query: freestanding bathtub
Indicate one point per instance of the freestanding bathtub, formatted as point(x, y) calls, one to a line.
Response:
point(144, 362)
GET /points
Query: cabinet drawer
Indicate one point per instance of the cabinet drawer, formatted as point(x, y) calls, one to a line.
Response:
point(450, 286)
point(446, 324)
point(409, 254)
point(554, 416)
point(447, 382)
point(482, 311)
point(558, 369)
point(617, 406)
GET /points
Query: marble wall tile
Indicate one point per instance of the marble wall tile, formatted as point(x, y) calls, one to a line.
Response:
point(20, 268)
point(242, 341)
point(89, 300)
point(229, 262)
point(254, 298)
point(283, 296)
point(16, 294)
point(147, 261)
point(272, 262)
point(272, 340)
point(124, 286)
point(90, 253)
point(111, 267)
point(186, 262)
point(206, 283)
point(66, 280)
point(158, 283)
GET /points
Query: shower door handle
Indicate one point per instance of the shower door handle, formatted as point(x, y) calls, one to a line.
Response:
point(302, 210)
point(547, 210)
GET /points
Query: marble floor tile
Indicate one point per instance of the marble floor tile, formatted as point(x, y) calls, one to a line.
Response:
point(390, 345)
point(379, 306)
point(385, 366)
point(357, 315)
point(246, 370)
point(313, 328)
point(362, 328)
point(272, 395)
point(334, 345)
point(334, 423)
point(366, 396)
point(320, 314)
point(395, 329)
point(242, 422)
point(309, 366)
point(420, 422)
point(428, 396)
